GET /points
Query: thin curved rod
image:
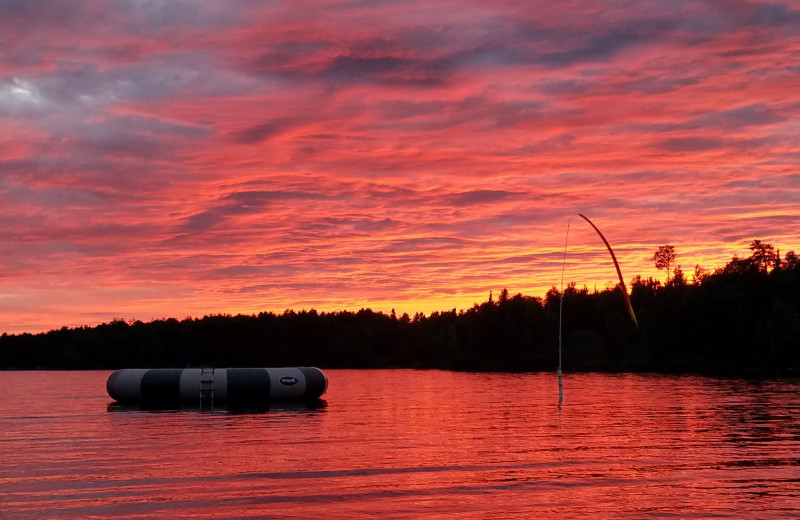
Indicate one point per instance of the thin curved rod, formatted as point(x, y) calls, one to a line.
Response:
point(619, 273)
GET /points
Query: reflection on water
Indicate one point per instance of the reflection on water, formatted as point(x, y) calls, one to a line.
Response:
point(409, 444)
point(289, 406)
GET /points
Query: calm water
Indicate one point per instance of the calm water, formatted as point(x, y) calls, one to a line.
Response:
point(409, 444)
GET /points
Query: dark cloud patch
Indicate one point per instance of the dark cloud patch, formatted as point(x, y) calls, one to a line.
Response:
point(419, 56)
point(560, 87)
point(35, 15)
point(391, 193)
point(773, 14)
point(273, 269)
point(130, 136)
point(136, 17)
point(659, 84)
point(521, 259)
point(347, 261)
point(598, 48)
point(712, 20)
point(431, 56)
point(402, 109)
point(213, 218)
point(709, 21)
point(746, 192)
point(70, 81)
point(557, 142)
point(792, 179)
point(380, 46)
point(487, 56)
point(262, 132)
point(418, 72)
point(289, 55)
point(123, 52)
point(412, 245)
point(259, 198)
point(289, 285)
point(609, 41)
point(56, 197)
point(737, 118)
point(730, 120)
point(510, 114)
point(746, 52)
point(690, 144)
point(132, 125)
point(751, 184)
point(480, 110)
point(201, 222)
point(365, 225)
point(243, 203)
point(731, 235)
point(65, 164)
point(43, 239)
point(146, 18)
point(470, 198)
point(647, 84)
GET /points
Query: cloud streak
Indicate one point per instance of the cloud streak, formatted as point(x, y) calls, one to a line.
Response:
point(184, 158)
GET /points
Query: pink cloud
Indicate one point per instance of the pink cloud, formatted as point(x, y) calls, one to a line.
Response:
point(188, 158)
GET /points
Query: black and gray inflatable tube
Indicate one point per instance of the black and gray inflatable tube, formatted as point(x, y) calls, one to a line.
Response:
point(233, 387)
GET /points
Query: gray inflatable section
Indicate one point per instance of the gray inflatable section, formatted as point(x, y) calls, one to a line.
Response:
point(125, 385)
point(205, 386)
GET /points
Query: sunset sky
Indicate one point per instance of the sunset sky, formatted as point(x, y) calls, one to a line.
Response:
point(183, 158)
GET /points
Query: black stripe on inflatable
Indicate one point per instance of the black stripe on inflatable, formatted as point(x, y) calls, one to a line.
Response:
point(162, 387)
point(110, 385)
point(316, 383)
point(248, 387)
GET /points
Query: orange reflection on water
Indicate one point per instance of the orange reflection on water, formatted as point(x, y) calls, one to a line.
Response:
point(407, 444)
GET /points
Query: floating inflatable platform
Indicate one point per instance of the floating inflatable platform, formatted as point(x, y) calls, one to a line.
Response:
point(233, 387)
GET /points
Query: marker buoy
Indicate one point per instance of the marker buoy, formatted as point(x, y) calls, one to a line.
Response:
point(167, 387)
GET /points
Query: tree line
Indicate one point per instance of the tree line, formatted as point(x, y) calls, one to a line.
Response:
point(740, 320)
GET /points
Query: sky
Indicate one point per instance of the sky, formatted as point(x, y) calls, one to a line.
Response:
point(184, 158)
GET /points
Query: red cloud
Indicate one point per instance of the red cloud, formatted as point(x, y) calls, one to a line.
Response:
point(193, 158)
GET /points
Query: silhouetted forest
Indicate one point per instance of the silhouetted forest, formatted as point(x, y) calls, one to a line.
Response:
point(741, 320)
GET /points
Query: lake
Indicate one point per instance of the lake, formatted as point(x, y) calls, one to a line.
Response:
point(409, 444)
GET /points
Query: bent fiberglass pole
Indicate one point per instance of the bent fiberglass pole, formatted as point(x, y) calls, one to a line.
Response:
point(619, 273)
